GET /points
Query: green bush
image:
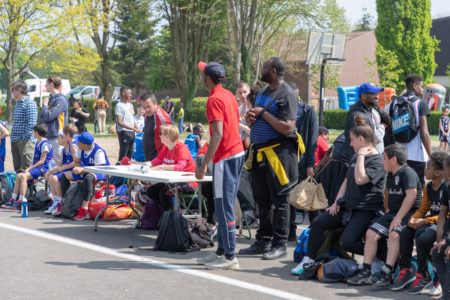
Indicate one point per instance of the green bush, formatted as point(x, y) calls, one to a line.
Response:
point(198, 113)
point(336, 118)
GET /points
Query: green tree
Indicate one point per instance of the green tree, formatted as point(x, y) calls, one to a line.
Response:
point(404, 28)
point(134, 35)
point(365, 23)
point(191, 24)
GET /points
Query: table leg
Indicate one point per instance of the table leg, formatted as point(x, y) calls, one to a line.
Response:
point(177, 200)
point(199, 195)
point(130, 188)
point(106, 206)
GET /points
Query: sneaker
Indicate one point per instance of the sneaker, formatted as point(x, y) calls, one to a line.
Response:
point(299, 268)
point(16, 205)
point(82, 214)
point(361, 277)
point(382, 278)
point(404, 278)
point(436, 290)
point(419, 284)
point(223, 264)
point(209, 258)
point(211, 232)
point(8, 204)
point(50, 207)
point(57, 208)
point(258, 247)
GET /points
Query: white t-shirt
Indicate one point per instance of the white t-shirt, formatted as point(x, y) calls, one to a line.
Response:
point(99, 157)
point(140, 122)
point(46, 148)
point(126, 111)
point(379, 131)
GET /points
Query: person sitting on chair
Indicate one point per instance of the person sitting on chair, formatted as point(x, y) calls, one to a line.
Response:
point(42, 162)
point(88, 154)
point(70, 147)
point(174, 156)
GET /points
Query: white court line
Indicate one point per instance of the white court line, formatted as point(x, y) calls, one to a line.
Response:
point(136, 258)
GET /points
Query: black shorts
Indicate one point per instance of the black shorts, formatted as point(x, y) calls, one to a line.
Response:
point(381, 224)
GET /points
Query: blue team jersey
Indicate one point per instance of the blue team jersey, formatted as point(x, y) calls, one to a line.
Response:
point(67, 157)
point(38, 152)
point(192, 145)
point(89, 161)
point(3, 145)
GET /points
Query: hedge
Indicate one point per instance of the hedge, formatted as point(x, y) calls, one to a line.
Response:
point(335, 119)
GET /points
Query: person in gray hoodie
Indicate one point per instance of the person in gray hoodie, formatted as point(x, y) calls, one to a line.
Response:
point(54, 112)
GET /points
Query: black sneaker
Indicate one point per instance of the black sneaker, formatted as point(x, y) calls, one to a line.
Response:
point(361, 277)
point(404, 278)
point(258, 247)
point(382, 278)
point(419, 284)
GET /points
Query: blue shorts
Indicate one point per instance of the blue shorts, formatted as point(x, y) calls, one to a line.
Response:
point(38, 172)
point(100, 177)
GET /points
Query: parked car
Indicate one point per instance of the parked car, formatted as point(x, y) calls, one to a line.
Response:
point(37, 89)
point(85, 92)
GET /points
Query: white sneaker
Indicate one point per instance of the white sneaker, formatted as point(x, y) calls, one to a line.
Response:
point(436, 290)
point(56, 207)
point(208, 258)
point(223, 264)
point(299, 268)
point(50, 208)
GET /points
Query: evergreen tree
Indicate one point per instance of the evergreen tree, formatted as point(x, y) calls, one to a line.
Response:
point(365, 24)
point(135, 31)
point(404, 28)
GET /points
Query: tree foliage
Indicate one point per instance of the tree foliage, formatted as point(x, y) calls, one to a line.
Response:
point(365, 23)
point(404, 28)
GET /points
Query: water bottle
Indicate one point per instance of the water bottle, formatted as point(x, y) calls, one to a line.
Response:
point(24, 209)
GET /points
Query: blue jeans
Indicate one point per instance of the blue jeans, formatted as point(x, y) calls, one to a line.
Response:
point(180, 125)
point(226, 176)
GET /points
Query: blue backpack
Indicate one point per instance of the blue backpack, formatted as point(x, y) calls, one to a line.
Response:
point(404, 120)
point(302, 246)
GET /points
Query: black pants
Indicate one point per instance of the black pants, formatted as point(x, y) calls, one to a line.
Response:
point(352, 236)
point(207, 191)
point(425, 237)
point(443, 270)
point(419, 167)
point(162, 193)
point(245, 195)
point(126, 139)
point(273, 208)
point(87, 186)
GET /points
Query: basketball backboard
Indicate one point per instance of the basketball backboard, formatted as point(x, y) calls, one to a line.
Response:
point(325, 45)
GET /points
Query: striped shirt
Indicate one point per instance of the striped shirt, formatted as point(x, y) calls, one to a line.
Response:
point(24, 118)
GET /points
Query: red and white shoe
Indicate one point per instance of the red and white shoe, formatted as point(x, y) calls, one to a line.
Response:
point(82, 214)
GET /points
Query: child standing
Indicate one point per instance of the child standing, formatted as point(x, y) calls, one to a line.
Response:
point(403, 190)
point(322, 144)
point(139, 118)
point(3, 134)
point(42, 162)
point(422, 229)
point(181, 118)
point(193, 140)
point(443, 130)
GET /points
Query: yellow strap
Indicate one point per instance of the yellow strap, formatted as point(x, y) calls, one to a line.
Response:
point(301, 146)
point(277, 167)
point(259, 156)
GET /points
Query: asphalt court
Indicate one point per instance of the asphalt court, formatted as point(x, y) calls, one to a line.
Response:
point(63, 258)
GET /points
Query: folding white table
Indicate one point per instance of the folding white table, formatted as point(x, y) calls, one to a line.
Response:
point(170, 177)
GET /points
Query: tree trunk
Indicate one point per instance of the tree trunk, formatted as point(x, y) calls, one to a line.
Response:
point(10, 67)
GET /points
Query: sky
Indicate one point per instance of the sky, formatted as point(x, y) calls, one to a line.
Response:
point(354, 8)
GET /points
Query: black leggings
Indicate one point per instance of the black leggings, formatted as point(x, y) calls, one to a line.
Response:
point(126, 139)
point(207, 191)
point(443, 270)
point(425, 237)
point(351, 238)
point(87, 186)
point(162, 193)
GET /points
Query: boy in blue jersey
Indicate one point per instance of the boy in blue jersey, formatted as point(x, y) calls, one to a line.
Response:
point(88, 154)
point(193, 140)
point(3, 134)
point(42, 162)
point(70, 147)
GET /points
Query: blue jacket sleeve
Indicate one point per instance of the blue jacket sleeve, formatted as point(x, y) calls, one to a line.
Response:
point(58, 106)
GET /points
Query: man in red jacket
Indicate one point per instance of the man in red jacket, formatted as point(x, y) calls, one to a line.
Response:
point(155, 116)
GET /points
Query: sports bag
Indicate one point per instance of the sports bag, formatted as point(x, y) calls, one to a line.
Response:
point(73, 199)
point(404, 120)
point(7, 181)
point(302, 245)
point(173, 234)
point(336, 270)
point(38, 200)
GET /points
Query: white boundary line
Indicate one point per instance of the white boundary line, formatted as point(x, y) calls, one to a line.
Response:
point(136, 258)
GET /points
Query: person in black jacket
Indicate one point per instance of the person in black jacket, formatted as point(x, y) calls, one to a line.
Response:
point(308, 128)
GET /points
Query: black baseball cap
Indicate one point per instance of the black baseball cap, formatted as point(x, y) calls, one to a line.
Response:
point(213, 69)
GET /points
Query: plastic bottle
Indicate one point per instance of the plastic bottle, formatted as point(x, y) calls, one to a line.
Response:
point(24, 209)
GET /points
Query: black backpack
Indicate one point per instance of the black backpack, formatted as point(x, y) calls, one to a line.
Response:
point(173, 234)
point(38, 200)
point(73, 199)
point(404, 121)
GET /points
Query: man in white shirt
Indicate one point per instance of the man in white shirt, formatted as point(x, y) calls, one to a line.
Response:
point(126, 124)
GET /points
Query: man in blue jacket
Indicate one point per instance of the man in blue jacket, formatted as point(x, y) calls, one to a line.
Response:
point(54, 112)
